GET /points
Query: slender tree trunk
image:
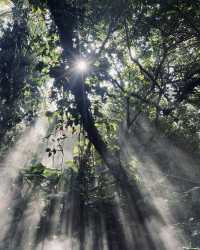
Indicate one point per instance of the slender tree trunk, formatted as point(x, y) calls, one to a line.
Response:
point(64, 17)
point(65, 23)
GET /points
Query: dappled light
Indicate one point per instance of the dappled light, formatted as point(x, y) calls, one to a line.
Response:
point(99, 125)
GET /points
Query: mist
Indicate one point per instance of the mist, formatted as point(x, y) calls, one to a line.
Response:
point(168, 175)
point(60, 219)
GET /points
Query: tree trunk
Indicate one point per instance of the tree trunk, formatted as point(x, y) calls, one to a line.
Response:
point(65, 17)
point(65, 23)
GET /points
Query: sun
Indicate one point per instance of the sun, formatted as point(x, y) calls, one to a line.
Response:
point(81, 65)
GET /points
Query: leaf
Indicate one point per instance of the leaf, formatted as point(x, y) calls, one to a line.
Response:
point(70, 164)
point(36, 169)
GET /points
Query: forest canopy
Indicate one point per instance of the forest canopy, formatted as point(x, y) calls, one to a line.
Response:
point(141, 59)
point(106, 72)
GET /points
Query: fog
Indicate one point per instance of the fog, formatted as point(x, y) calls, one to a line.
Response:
point(36, 217)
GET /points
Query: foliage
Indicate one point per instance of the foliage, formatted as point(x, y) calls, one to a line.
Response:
point(42, 175)
point(144, 61)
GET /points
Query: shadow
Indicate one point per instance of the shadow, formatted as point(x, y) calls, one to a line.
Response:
point(16, 228)
point(84, 216)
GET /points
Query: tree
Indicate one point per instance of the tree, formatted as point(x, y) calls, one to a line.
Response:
point(21, 75)
point(65, 18)
point(140, 65)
